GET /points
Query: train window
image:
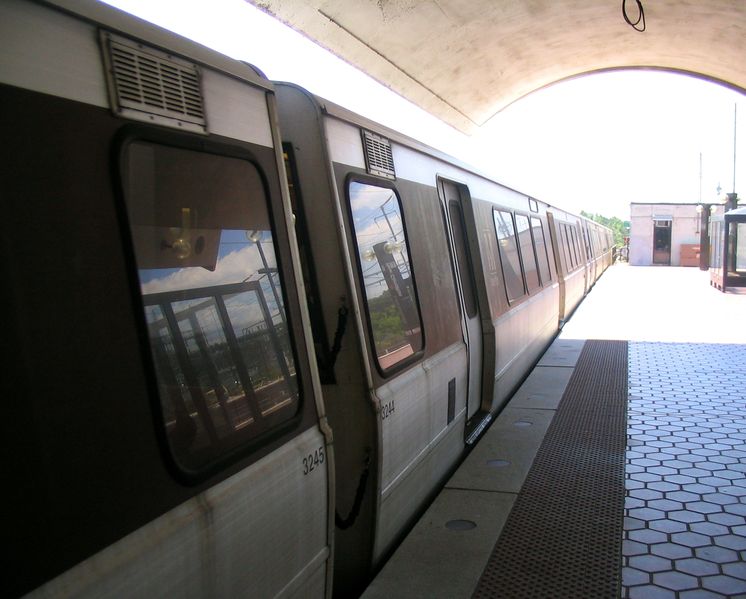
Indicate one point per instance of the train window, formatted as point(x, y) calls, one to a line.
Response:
point(385, 269)
point(509, 258)
point(541, 250)
point(574, 245)
point(525, 242)
point(566, 251)
point(213, 299)
point(587, 240)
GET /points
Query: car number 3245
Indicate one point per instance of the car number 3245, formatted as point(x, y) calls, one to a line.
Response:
point(313, 460)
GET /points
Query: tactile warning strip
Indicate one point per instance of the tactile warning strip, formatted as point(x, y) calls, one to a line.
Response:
point(563, 536)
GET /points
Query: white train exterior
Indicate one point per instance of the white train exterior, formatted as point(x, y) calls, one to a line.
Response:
point(250, 333)
point(477, 288)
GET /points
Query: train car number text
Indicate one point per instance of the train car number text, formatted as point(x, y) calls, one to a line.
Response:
point(313, 460)
point(387, 409)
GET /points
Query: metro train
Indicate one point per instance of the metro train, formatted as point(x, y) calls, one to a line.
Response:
point(250, 333)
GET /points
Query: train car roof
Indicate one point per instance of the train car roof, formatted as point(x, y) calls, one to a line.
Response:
point(333, 110)
point(339, 112)
point(128, 25)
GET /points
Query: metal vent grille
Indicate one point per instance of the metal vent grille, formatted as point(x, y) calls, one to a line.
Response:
point(378, 157)
point(147, 84)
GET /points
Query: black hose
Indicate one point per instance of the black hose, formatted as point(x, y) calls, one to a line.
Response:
point(345, 523)
point(636, 25)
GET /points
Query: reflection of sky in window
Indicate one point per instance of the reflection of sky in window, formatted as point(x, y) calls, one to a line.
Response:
point(504, 227)
point(238, 260)
point(377, 218)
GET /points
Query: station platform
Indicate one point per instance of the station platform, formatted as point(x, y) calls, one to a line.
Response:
point(618, 468)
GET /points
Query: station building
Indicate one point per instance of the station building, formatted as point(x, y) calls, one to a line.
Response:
point(668, 234)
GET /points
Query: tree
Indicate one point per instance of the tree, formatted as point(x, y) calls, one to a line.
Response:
point(617, 226)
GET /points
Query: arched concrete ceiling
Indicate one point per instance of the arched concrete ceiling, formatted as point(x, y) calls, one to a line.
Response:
point(465, 60)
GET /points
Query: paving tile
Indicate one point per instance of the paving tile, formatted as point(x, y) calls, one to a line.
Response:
point(651, 592)
point(650, 563)
point(697, 567)
point(632, 577)
point(691, 539)
point(676, 581)
point(724, 584)
point(671, 550)
point(631, 548)
point(708, 528)
point(736, 570)
point(736, 542)
point(648, 536)
point(668, 526)
point(700, 594)
point(717, 555)
point(686, 516)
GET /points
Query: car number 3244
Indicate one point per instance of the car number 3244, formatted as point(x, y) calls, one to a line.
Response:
point(313, 460)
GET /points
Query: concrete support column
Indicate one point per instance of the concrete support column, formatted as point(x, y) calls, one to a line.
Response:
point(704, 236)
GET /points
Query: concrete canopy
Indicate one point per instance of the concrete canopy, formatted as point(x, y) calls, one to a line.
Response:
point(465, 60)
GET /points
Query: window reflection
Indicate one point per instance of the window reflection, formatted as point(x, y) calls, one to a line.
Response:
point(386, 273)
point(541, 250)
point(511, 263)
point(212, 298)
point(527, 251)
point(739, 252)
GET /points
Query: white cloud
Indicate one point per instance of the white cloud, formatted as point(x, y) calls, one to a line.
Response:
point(232, 268)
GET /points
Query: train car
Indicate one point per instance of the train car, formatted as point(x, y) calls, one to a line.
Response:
point(164, 418)
point(582, 251)
point(450, 291)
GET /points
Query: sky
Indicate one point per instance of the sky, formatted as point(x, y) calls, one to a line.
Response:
point(594, 143)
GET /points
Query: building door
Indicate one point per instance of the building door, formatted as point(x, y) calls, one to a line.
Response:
point(662, 242)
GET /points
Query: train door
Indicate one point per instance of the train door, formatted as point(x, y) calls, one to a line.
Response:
point(584, 255)
point(557, 248)
point(472, 324)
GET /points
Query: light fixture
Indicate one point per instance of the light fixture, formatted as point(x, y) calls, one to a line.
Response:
point(393, 246)
point(254, 236)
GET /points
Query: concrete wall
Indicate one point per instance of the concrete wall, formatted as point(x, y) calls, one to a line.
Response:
point(684, 230)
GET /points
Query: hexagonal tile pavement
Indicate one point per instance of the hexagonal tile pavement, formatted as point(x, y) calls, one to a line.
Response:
point(685, 524)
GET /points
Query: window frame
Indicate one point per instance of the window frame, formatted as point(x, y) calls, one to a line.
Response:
point(539, 284)
point(495, 211)
point(566, 250)
point(254, 445)
point(546, 250)
point(418, 354)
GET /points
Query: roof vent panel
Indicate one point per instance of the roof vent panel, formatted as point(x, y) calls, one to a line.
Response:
point(379, 159)
point(146, 84)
